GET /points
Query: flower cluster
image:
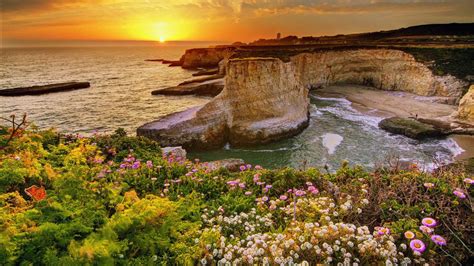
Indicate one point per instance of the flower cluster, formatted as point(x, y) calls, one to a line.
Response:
point(310, 243)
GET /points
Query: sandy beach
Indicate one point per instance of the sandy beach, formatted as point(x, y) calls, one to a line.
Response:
point(392, 103)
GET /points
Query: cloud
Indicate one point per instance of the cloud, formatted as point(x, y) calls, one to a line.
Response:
point(22, 6)
point(277, 7)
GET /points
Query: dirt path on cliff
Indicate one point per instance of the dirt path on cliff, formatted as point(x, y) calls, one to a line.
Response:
point(388, 103)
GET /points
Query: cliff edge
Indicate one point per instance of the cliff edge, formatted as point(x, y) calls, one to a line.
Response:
point(266, 99)
point(263, 100)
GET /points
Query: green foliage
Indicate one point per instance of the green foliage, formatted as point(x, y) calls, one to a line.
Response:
point(456, 62)
point(116, 200)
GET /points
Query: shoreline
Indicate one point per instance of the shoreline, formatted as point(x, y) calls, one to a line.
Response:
point(388, 104)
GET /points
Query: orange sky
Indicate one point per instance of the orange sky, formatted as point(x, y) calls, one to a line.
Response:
point(215, 20)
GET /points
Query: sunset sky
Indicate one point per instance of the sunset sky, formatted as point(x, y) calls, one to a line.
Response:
point(215, 20)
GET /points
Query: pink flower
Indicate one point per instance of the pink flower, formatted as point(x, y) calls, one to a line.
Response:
point(313, 190)
point(300, 193)
point(136, 165)
point(309, 183)
point(283, 197)
point(248, 166)
point(256, 178)
point(242, 185)
point(149, 164)
point(268, 186)
point(439, 240)
point(459, 193)
point(383, 231)
point(233, 183)
point(428, 221)
point(417, 245)
point(258, 167)
point(425, 229)
point(242, 168)
point(248, 193)
point(264, 198)
point(469, 181)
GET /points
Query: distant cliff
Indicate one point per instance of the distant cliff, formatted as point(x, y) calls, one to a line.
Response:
point(205, 57)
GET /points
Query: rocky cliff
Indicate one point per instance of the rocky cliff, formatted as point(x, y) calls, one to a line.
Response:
point(466, 106)
point(384, 69)
point(205, 57)
point(263, 100)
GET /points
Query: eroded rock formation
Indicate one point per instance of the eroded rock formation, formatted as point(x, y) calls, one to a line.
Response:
point(466, 106)
point(381, 68)
point(205, 57)
point(263, 100)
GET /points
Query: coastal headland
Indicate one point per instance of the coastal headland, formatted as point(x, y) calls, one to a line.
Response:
point(264, 96)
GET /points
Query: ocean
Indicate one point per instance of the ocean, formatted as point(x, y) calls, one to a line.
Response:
point(120, 97)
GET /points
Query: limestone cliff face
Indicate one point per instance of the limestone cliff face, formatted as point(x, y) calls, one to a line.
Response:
point(266, 99)
point(381, 68)
point(466, 106)
point(205, 57)
point(263, 100)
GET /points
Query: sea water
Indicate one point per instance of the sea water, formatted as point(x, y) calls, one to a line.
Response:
point(120, 96)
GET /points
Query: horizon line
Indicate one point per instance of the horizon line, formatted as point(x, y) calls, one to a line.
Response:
point(85, 43)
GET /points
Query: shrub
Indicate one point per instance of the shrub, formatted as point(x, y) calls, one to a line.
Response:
point(116, 200)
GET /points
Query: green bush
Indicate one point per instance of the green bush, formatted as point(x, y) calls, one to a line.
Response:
point(114, 199)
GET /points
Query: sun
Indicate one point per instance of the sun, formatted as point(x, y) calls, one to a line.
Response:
point(162, 39)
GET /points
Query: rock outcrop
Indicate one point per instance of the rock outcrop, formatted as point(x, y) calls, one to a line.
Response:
point(466, 106)
point(411, 128)
point(263, 100)
point(205, 57)
point(206, 72)
point(44, 89)
point(206, 88)
point(385, 69)
point(421, 128)
point(231, 164)
point(177, 152)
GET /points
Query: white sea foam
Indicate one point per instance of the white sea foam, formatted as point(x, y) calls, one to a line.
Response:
point(344, 110)
point(331, 141)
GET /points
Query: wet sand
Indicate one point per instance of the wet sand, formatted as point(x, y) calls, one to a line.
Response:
point(390, 103)
point(467, 144)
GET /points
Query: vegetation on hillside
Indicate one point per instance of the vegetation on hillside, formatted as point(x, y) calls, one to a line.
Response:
point(443, 61)
point(116, 200)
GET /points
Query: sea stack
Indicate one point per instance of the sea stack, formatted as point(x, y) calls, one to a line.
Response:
point(262, 101)
point(466, 106)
